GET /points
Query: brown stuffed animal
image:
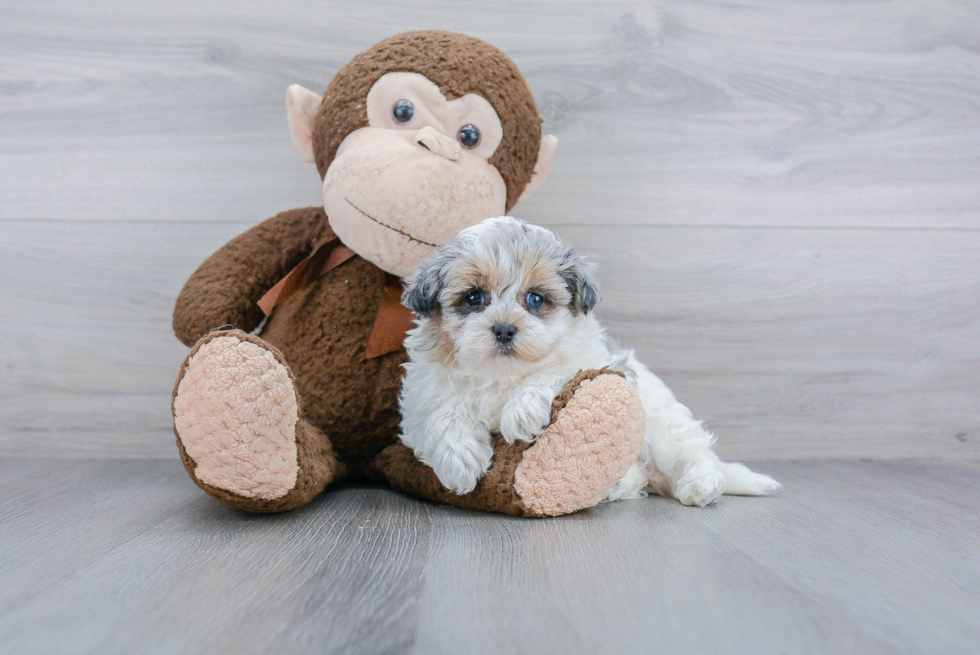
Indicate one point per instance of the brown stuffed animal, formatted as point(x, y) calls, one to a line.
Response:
point(422, 135)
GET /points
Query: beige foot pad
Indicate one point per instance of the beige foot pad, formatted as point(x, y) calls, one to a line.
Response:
point(235, 412)
point(591, 443)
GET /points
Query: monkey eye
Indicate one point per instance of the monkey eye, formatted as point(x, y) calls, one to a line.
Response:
point(468, 136)
point(534, 300)
point(403, 111)
point(474, 299)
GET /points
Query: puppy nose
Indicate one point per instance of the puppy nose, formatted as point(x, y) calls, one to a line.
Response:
point(432, 139)
point(504, 332)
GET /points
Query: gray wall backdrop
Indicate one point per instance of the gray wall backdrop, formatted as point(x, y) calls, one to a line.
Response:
point(784, 198)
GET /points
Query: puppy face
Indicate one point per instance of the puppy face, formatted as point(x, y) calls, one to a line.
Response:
point(503, 293)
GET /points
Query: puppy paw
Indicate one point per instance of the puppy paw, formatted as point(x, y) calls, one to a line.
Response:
point(460, 460)
point(526, 414)
point(700, 487)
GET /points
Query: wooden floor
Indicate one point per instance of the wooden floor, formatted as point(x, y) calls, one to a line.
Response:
point(128, 556)
point(784, 201)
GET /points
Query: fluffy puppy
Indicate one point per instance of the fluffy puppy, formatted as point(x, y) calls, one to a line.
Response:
point(505, 320)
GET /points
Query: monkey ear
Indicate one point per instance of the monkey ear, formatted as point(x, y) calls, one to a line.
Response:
point(301, 107)
point(546, 155)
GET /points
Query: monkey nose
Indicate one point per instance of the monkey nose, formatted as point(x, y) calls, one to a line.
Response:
point(438, 143)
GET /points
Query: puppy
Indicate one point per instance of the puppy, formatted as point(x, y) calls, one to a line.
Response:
point(504, 321)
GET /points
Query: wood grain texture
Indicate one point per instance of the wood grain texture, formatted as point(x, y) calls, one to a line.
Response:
point(116, 557)
point(790, 343)
point(805, 343)
point(749, 112)
point(783, 197)
point(144, 532)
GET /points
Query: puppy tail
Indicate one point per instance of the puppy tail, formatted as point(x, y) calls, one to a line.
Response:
point(740, 481)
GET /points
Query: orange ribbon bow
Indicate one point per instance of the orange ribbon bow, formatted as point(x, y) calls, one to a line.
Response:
point(391, 324)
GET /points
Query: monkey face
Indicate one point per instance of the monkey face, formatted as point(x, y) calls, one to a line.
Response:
point(416, 175)
point(423, 134)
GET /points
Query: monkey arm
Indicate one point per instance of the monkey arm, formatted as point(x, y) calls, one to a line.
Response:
point(225, 289)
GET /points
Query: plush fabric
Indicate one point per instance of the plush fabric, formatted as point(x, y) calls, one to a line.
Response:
point(301, 104)
point(323, 331)
point(459, 64)
point(328, 255)
point(238, 393)
point(392, 200)
point(226, 288)
point(546, 157)
point(590, 441)
point(316, 463)
point(595, 434)
point(236, 412)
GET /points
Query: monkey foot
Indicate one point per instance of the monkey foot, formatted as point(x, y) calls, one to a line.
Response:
point(597, 426)
point(236, 417)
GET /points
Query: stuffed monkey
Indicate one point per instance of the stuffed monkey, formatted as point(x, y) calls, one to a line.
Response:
point(420, 136)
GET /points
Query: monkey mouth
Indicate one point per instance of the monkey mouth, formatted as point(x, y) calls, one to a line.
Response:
point(393, 229)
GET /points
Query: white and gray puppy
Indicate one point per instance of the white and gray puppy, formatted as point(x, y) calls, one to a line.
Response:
point(505, 320)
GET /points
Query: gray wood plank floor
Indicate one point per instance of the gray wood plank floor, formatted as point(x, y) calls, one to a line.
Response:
point(128, 556)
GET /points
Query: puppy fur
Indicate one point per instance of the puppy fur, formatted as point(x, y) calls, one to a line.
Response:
point(504, 321)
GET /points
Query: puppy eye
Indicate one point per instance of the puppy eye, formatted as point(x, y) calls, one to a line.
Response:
point(469, 136)
point(403, 111)
point(474, 299)
point(534, 300)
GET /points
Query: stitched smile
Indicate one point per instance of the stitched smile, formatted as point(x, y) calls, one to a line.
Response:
point(393, 229)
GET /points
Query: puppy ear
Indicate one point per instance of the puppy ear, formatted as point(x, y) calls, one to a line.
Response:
point(579, 275)
point(423, 286)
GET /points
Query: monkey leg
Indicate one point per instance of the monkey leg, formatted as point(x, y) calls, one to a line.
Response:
point(239, 430)
point(597, 427)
